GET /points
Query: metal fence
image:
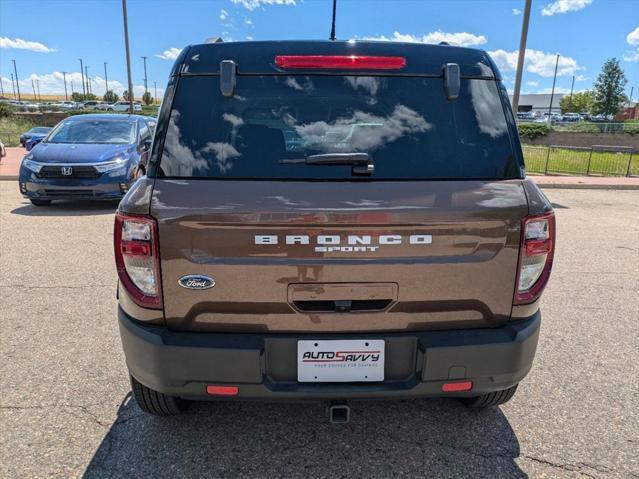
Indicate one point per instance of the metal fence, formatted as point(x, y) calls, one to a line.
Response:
point(597, 160)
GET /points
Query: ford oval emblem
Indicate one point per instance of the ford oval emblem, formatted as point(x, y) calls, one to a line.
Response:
point(196, 281)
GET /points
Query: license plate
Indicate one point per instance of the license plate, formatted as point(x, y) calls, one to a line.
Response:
point(357, 360)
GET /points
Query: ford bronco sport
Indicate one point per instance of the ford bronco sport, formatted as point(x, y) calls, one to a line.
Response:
point(332, 220)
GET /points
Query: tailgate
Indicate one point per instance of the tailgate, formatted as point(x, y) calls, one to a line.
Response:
point(302, 256)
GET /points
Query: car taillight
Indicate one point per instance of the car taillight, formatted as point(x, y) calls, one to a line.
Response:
point(535, 256)
point(340, 62)
point(137, 258)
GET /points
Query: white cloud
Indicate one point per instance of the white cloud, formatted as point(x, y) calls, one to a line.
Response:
point(564, 6)
point(170, 54)
point(516, 11)
point(633, 40)
point(532, 83)
point(253, 4)
point(19, 44)
point(463, 39)
point(53, 84)
point(581, 78)
point(249, 37)
point(224, 14)
point(631, 56)
point(538, 62)
point(248, 22)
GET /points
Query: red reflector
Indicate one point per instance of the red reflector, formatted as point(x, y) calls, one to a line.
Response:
point(535, 247)
point(457, 387)
point(340, 62)
point(222, 390)
point(136, 248)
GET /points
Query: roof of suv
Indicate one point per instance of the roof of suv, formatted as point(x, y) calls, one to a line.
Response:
point(259, 57)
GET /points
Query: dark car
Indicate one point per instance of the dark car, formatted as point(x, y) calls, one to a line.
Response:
point(36, 132)
point(332, 221)
point(87, 156)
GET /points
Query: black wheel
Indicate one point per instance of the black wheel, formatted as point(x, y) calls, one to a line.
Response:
point(154, 402)
point(495, 398)
point(37, 202)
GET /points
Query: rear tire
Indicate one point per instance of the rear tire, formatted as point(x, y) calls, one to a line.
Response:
point(154, 402)
point(36, 202)
point(492, 399)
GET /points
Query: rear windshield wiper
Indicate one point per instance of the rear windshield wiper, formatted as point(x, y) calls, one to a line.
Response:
point(362, 162)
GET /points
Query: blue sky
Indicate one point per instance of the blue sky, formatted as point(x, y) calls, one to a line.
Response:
point(47, 37)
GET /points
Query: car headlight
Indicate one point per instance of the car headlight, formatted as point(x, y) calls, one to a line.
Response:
point(111, 165)
point(28, 163)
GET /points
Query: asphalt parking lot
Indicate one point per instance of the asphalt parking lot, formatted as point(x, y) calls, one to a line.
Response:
point(66, 410)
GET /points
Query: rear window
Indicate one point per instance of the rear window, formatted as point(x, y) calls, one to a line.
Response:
point(405, 124)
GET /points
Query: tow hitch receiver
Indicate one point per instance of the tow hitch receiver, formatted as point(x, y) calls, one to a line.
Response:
point(339, 412)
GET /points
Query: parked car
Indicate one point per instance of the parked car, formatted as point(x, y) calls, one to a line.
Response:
point(35, 132)
point(525, 115)
point(96, 105)
point(86, 156)
point(270, 254)
point(572, 117)
point(124, 106)
point(3, 150)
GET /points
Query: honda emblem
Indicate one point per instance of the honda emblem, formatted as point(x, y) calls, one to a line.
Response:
point(66, 170)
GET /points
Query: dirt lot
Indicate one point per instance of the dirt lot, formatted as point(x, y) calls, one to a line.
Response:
point(66, 411)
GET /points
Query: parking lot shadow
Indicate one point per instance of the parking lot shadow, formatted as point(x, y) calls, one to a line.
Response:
point(417, 438)
point(67, 208)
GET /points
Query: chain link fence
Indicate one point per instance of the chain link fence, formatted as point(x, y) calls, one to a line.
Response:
point(597, 160)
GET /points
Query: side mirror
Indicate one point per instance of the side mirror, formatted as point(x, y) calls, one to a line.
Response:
point(146, 144)
point(452, 81)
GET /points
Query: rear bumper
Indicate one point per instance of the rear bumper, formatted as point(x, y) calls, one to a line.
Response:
point(263, 366)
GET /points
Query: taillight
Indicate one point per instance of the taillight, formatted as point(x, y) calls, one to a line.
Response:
point(137, 258)
point(535, 256)
point(340, 62)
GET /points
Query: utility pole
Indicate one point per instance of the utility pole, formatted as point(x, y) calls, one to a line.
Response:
point(64, 76)
point(155, 92)
point(86, 78)
point(145, 82)
point(1, 86)
point(632, 90)
point(15, 70)
point(14, 87)
point(521, 56)
point(106, 79)
point(82, 75)
point(38, 85)
point(35, 97)
point(552, 95)
point(72, 92)
point(571, 89)
point(128, 55)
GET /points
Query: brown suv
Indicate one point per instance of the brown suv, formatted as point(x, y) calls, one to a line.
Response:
point(332, 220)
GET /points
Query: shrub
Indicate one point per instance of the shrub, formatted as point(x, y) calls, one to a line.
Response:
point(530, 131)
point(5, 111)
point(584, 128)
point(631, 128)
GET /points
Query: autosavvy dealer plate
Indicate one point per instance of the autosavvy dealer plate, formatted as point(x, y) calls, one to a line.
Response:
point(340, 360)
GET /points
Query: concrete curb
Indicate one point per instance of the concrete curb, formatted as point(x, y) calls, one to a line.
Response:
point(8, 177)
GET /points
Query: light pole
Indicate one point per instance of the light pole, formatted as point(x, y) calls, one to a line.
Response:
point(145, 82)
point(521, 56)
point(155, 91)
point(572, 87)
point(82, 75)
point(35, 97)
point(552, 94)
point(128, 55)
point(106, 79)
point(1, 86)
point(38, 85)
point(72, 92)
point(64, 76)
point(86, 78)
point(14, 87)
point(15, 70)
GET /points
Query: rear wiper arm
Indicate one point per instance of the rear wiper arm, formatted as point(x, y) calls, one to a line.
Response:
point(362, 162)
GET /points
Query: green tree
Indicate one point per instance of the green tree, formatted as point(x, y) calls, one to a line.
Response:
point(147, 98)
point(125, 96)
point(111, 97)
point(609, 87)
point(581, 102)
point(80, 97)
